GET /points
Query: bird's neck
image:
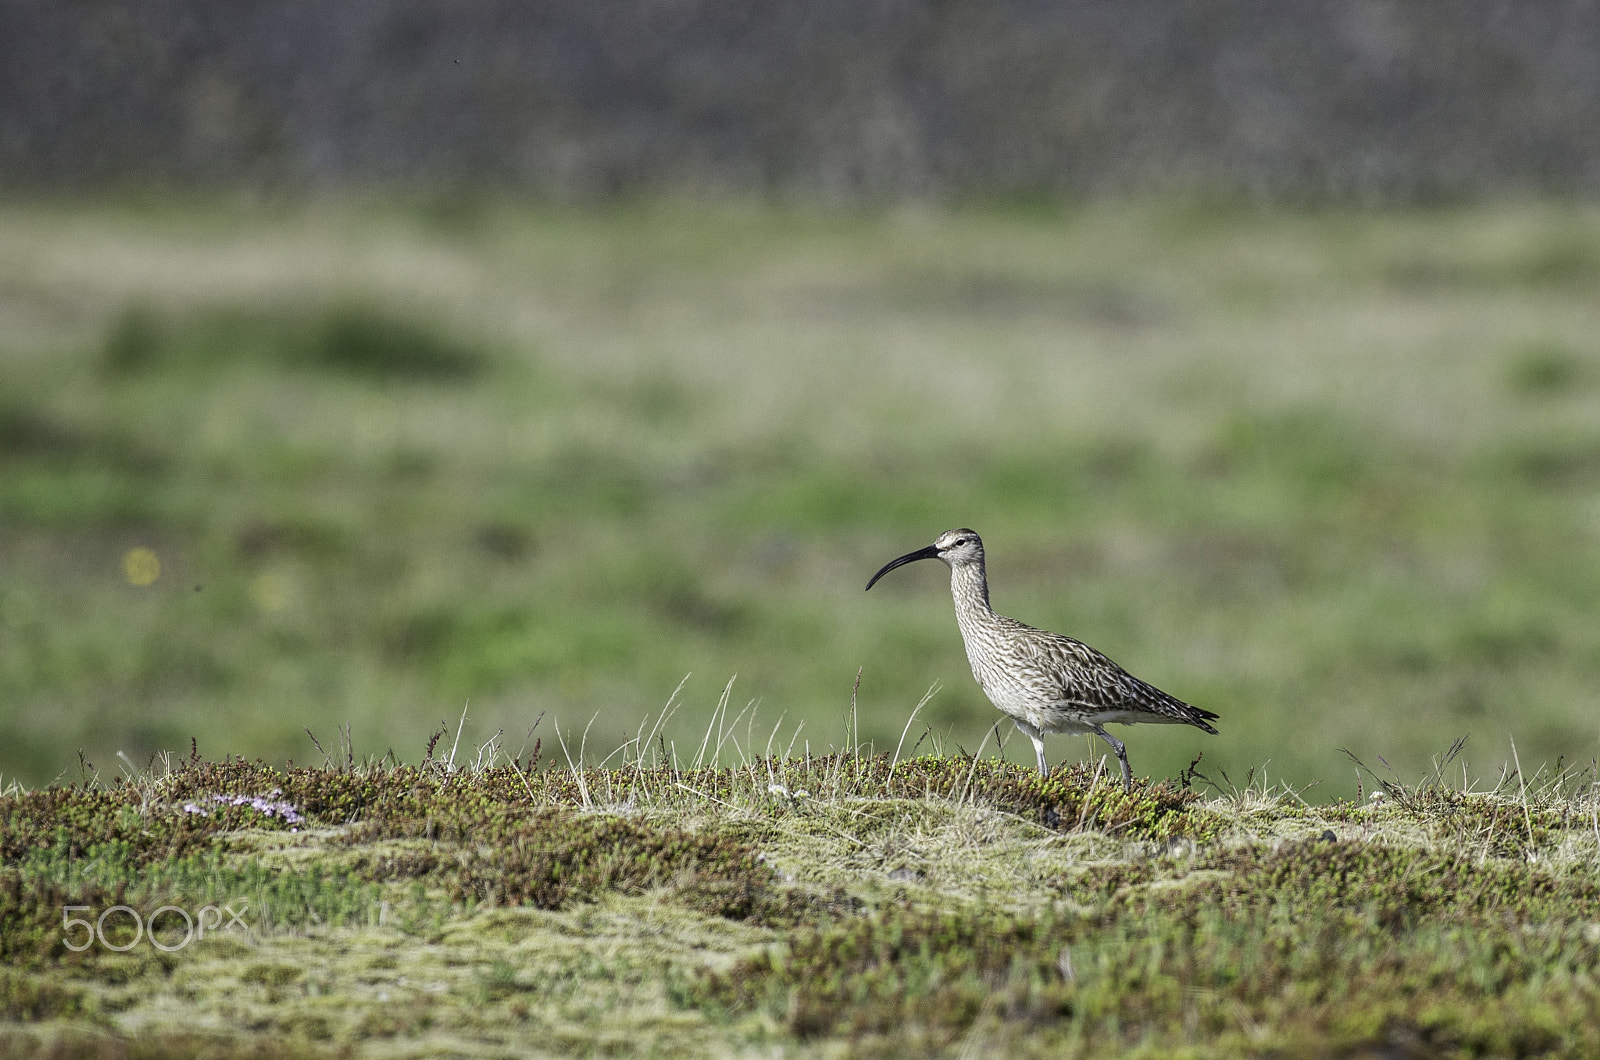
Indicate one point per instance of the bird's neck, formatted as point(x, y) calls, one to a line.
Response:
point(970, 588)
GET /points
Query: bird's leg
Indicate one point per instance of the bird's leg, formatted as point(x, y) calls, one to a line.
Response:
point(1122, 756)
point(1038, 744)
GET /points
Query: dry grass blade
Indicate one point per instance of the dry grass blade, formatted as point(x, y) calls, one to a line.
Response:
point(450, 763)
point(926, 696)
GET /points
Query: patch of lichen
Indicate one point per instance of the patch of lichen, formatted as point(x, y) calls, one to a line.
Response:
point(85, 1044)
point(1488, 824)
point(1392, 886)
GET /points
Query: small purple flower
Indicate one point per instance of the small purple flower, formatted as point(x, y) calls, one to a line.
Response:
point(264, 805)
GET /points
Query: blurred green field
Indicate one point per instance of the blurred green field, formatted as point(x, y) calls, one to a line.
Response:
point(1334, 474)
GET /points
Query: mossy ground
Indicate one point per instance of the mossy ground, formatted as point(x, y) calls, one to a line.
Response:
point(848, 905)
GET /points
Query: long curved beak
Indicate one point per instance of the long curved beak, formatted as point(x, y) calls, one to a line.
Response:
point(931, 552)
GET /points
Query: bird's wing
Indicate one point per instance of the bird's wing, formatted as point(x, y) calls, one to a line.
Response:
point(1076, 675)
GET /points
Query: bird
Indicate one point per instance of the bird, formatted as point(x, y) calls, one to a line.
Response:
point(1042, 681)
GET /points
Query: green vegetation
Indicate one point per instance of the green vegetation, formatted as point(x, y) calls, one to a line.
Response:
point(844, 905)
point(1331, 474)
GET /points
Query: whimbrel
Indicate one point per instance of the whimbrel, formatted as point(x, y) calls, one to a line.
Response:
point(1042, 681)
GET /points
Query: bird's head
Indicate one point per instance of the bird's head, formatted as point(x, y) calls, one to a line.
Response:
point(957, 548)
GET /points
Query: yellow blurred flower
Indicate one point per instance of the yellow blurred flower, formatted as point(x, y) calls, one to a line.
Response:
point(141, 565)
point(270, 591)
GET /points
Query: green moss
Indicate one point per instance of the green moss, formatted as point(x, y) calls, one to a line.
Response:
point(30, 998)
point(271, 974)
point(156, 1045)
point(1544, 370)
point(1318, 941)
point(352, 337)
point(550, 855)
point(31, 915)
point(124, 821)
point(1392, 887)
point(874, 974)
point(810, 905)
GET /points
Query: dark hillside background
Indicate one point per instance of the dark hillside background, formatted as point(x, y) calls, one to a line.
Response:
point(830, 98)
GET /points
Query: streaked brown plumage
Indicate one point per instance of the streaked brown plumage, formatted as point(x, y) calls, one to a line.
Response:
point(1042, 681)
